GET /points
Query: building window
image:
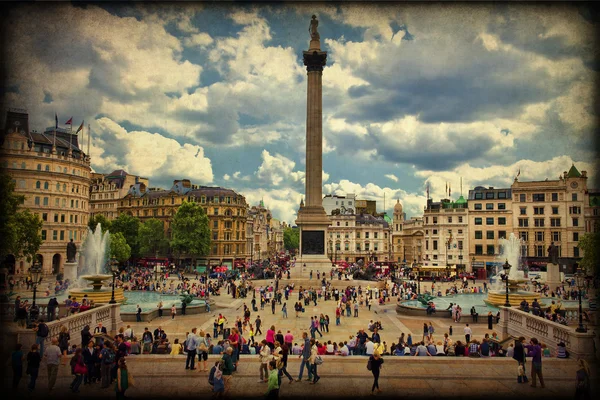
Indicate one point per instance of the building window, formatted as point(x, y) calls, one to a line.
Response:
point(460, 219)
point(489, 221)
point(449, 220)
point(460, 244)
point(501, 206)
point(435, 245)
point(478, 250)
point(478, 206)
point(574, 210)
point(556, 236)
point(523, 222)
point(374, 235)
point(539, 251)
point(358, 235)
point(524, 251)
point(489, 235)
point(39, 167)
point(478, 221)
point(522, 198)
point(523, 210)
point(576, 236)
point(575, 251)
point(489, 206)
point(62, 235)
point(435, 220)
point(501, 234)
point(575, 221)
point(44, 216)
point(216, 211)
point(539, 197)
point(45, 201)
point(366, 235)
point(490, 249)
point(555, 210)
point(489, 195)
point(539, 236)
point(435, 232)
point(38, 185)
point(426, 244)
point(338, 223)
point(501, 220)
point(573, 196)
point(554, 221)
point(460, 231)
point(538, 210)
point(55, 217)
point(43, 235)
point(554, 196)
point(54, 235)
point(538, 222)
point(215, 235)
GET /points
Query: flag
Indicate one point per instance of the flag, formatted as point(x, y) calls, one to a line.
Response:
point(55, 121)
point(427, 192)
point(80, 127)
point(446, 187)
point(69, 122)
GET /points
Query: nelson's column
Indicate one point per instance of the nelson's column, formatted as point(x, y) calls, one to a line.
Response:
point(312, 219)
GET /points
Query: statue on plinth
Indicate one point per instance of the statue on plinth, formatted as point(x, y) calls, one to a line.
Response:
point(314, 34)
point(71, 251)
point(553, 254)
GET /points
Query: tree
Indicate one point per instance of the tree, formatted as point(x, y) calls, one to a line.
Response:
point(190, 231)
point(20, 230)
point(99, 219)
point(129, 226)
point(119, 248)
point(291, 238)
point(590, 245)
point(151, 237)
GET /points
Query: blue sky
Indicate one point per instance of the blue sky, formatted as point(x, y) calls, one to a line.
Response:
point(413, 94)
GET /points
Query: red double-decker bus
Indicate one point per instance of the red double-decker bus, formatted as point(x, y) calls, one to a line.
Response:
point(151, 262)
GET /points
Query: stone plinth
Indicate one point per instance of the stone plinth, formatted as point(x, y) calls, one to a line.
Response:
point(70, 271)
point(553, 276)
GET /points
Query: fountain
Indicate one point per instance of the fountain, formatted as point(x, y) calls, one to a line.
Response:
point(516, 278)
point(95, 250)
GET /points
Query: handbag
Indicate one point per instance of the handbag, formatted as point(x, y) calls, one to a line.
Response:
point(202, 348)
point(80, 369)
point(318, 360)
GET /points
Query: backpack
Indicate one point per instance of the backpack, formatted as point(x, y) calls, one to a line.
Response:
point(110, 357)
point(42, 330)
point(369, 365)
point(211, 376)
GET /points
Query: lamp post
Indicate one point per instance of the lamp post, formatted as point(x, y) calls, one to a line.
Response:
point(36, 273)
point(114, 268)
point(580, 279)
point(419, 285)
point(506, 268)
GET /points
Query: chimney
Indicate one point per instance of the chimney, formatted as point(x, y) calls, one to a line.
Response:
point(584, 174)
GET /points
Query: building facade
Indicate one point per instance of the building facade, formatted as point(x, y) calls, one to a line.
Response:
point(226, 211)
point(407, 238)
point(551, 211)
point(106, 190)
point(446, 237)
point(490, 221)
point(354, 237)
point(341, 203)
point(53, 174)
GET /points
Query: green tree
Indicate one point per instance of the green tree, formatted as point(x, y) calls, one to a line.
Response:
point(590, 245)
point(20, 230)
point(151, 237)
point(190, 231)
point(129, 226)
point(99, 219)
point(291, 238)
point(119, 248)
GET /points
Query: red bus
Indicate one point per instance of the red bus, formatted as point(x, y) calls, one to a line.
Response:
point(151, 262)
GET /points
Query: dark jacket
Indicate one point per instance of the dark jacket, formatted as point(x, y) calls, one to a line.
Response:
point(306, 349)
point(519, 353)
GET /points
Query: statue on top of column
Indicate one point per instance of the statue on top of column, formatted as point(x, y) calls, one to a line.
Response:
point(71, 251)
point(553, 254)
point(314, 34)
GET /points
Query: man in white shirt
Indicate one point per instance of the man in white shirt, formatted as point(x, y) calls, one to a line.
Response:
point(52, 356)
point(369, 347)
point(344, 351)
point(128, 334)
point(351, 344)
point(468, 333)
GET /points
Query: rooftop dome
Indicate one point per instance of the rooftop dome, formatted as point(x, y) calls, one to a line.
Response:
point(398, 206)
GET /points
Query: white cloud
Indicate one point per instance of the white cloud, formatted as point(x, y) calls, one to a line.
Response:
point(202, 39)
point(226, 177)
point(392, 177)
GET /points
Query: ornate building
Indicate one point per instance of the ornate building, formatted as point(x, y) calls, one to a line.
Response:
point(226, 210)
point(107, 189)
point(53, 174)
point(261, 232)
point(407, 238)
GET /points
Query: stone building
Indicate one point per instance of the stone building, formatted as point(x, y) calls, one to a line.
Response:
point(261, 231)
point(490, 219)
point(592, 211)
point(407, 237)
point(106, 190)
point(446, 227)
point(226, 210)
point(53, 173)
point(341, 203)
point(551, 211)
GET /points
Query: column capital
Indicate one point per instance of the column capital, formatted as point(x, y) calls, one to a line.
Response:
point(314, 60)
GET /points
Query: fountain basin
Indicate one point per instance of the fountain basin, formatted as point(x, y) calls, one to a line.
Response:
point(98, 296)
point(498, 298)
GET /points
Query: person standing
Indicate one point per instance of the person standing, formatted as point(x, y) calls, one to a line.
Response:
point(41, 333)
point(519, 355)
point(78, 369)
point(490, 320)
point(258, 323)
point(138, 314)
point(52, 356)
point(273, 381)
point(124, 379)
point(376, 364)
point(468, 333)
point(227, 369)
point(33, 366)
point(160, 309)
point(191, 345)
point(535, 351)
point(90, 358)
point(284, 310)
point(264, 357)
point(16, 360)
point(314, 353)
point(305, 358)
point(173, 311)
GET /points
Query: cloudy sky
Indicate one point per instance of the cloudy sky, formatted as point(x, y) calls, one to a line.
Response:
point(412, 93)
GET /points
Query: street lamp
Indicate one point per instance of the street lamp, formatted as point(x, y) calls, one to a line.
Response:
point(506, 268)
point(419, 285)
point(580, 280)
point(36, 274)
point(114, 268)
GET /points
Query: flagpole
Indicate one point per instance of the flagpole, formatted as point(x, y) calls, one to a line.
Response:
point(88, 140)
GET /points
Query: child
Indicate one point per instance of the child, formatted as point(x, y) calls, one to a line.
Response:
point(521, 372)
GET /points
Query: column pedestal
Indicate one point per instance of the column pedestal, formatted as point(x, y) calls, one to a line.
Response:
point(70, 271)
point(553, 276)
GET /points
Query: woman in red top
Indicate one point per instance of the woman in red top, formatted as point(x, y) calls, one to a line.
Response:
point(270, 337)
point(321, 349)
point(234, 341)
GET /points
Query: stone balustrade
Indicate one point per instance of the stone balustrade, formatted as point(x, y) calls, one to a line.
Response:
point(515, 323)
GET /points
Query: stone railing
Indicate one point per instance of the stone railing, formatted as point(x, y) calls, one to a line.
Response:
point(109, 315)
point(515, 323)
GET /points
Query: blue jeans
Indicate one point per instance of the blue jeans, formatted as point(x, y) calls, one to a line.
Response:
point(313, 368)
point(40, 342)
point(308, 368)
